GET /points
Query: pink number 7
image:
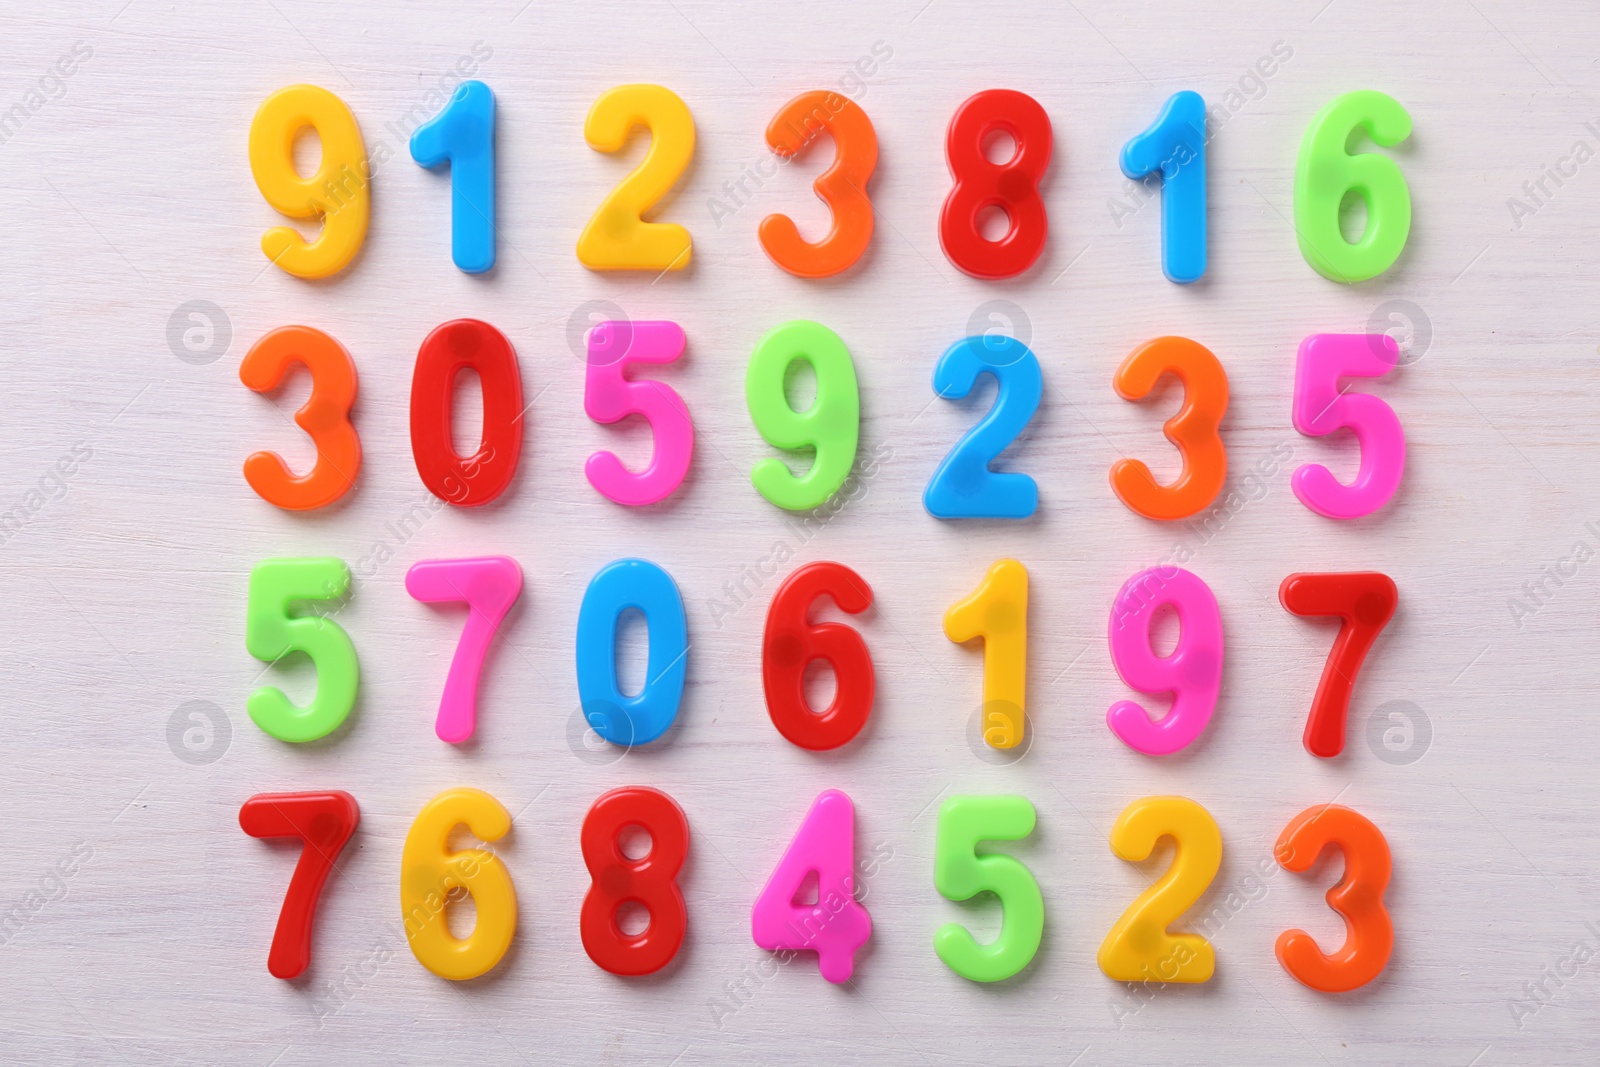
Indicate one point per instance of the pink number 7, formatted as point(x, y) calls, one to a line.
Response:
point(610, 397)
point(1320, 408)
point(489, 585)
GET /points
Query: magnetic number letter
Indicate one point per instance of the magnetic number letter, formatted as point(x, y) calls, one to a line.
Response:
point(650, 881)
point(430, 874)
point(1321, 407)
point(830, 426)
point(338, 193)
point(1139, 948)
point(1175, 146)
point(463, 136)
point(959, 873)
point(1192, 674)
point(271, 632)
point(1193, 429)
point(609, 396)
point(325, 417)
point(1358, 898)
point(1012, 186)
point(792, 642)
point(649, 590)
point(450, 349)
point(836, 925)
point(843, 186)
point(489, 585)
point(1325, 176)
point(617, 238)
point(323, 822)
point(1365, 602)
point(964, 487)
point(998, 613)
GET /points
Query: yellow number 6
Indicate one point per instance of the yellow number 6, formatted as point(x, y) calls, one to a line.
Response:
point(430, 873)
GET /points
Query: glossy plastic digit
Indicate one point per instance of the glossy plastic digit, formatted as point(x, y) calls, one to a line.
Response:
point(961, 873)
point(792, 642)
point(964, 486)
point(488, 585)
point(1365, 602)
point(1321, 407)
point(1175, 146)
point(1192, 674)
point(1193, 429)
point(325, 417)
point(466, 481)
point(271, 633)
point(617, 238)
point(831, 425)
point(339, 193)
point(1326, 174)
point(650, 881)
point(1139, 948)
point(323, 822)
point(1358, 898)
point(430, 871)
point(997, 612)
point(609, 396)
point(843, 186)
point(1012, 186)
point(463, 136)
point(646, 588)
point(836, 926)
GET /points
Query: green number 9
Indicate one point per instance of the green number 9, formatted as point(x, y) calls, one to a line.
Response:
point(1325, 174)
point(271, 633)
point(830, 426)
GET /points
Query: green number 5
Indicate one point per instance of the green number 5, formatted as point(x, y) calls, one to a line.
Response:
point(1326, 174)
point(959, 873)
point(271, 633)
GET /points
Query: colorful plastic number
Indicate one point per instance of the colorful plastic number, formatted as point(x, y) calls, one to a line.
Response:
point(1321, 407)
point(843, 186)
point(1175, 145)
point(271, 633)
point(323, 822)
point(1193, 429)
point(998, 613)
point(836, 925)
point(617, 238)
point(650, 881)
point(609, 396)
point(1365, 602)
point(1192, 674)
point(466, 481)
point(792, 642)
point(1012, 186)
point(430, 872)
point(1358, 898)
point(964, 487)
point(960, 873)
point(830, 425)
point(489, 585)
point(1139, 948)
point(649, 590)
point(1326, 174)
point(463, 136)
point(339, 193)
point(325, 417)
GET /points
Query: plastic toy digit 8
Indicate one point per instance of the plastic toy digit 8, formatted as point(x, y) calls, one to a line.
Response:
point(651, 880)
point(1012, 186)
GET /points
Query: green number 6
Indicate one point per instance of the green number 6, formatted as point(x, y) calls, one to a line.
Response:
point(271, 633)
point(830, 426)
point(959, 873)
point(1325, 174)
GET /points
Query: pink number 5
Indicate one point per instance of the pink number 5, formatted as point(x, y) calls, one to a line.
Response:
point(1192, 674)
point(610, 397)
point(489, 585)
point(1320, 408)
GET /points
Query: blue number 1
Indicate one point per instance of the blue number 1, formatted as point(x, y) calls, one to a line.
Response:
point(463, 135)
point(645, 587)
point(1176, 146)
point(964, 487)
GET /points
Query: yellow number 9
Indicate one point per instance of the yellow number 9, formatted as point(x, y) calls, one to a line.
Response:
point(338, 193)
point(429, 872)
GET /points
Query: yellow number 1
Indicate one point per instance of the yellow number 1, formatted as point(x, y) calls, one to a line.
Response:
point(998, 613)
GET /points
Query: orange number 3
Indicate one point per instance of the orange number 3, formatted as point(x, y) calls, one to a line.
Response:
point(843, 186)
point(325, 417)
point(1358, 898)
point(1193, 429)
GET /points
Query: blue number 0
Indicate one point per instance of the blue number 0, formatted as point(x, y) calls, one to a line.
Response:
point(1176, 146)
point(964, 487)
point(638, 584)
point(463, 135)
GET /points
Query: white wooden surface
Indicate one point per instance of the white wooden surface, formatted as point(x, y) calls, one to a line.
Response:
point(127, 193)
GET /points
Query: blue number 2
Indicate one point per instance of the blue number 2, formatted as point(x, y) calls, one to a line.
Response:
point(1176, 146)
point(463, 135)
point(964, 487)
point(635, 720)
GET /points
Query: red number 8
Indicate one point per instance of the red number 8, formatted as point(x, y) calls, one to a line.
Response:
point(1012, 186)
point(650, 881)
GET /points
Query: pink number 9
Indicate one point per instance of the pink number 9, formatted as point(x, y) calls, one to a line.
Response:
point(1192, 674)
point(608, 397)
point(1320, 409)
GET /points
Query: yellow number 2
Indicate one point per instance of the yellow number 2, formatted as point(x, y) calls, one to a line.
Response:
point(339, 193)
point(617, 237)
point(1139, 948)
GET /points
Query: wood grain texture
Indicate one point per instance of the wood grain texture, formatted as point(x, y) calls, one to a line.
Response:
point(127, 193)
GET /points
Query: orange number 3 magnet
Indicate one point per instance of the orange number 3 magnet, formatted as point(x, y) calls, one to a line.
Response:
point(325, 416)
point(843, 186)
point(1193, 429)
point(1358, 898)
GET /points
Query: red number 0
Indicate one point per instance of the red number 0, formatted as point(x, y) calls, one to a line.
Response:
point(651, 880)
point(466, 481)
point(1365, 600)
point(792, 642)
point(324, 821)
point(1012, 186)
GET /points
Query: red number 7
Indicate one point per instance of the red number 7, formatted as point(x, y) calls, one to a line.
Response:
point(1365, 600)
point(324, 822)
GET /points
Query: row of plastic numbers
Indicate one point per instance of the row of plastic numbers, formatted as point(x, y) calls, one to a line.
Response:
point(996, 613)
point(618, 238)
point(1139, 947)
point(964, 485)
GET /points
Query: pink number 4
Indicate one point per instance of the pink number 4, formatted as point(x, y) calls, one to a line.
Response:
point(836, 925)
point(609, 397)
point(489, 585)
point(1320, 408)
